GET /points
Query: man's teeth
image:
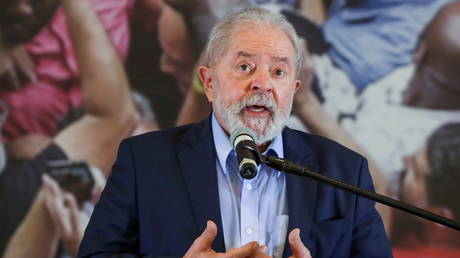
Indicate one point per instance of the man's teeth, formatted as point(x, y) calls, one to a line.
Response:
point(257, 108)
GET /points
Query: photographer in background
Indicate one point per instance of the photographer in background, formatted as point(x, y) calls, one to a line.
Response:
point(55, 216)
point(109, 117)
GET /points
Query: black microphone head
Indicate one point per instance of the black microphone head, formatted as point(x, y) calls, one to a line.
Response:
point(248, 170)
point(242, 140)
point(241, 133)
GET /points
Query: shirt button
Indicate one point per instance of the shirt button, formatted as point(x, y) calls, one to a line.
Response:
point(248, 231)
point(249, 187)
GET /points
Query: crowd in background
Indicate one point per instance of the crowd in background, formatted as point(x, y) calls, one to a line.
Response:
point(77, 76)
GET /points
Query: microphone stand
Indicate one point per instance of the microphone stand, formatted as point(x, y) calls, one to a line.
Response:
point(289, 167)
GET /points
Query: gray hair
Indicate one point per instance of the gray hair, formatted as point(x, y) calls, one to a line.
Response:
point(225, 29)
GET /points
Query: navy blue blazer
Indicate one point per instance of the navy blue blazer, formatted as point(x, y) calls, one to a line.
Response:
point(163, 189)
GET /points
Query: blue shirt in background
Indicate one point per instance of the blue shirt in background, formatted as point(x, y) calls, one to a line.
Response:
point(370, 38)
point(251, 210)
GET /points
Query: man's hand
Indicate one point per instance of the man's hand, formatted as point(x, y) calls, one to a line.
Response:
point(201, 247)
point(297, 247)
point(63, 210)
point(16, 68)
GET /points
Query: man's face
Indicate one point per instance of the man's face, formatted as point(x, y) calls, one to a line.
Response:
point(432, 89)
point(253, 84)
point(434, 84)
point(21, 20)
point(413, 181)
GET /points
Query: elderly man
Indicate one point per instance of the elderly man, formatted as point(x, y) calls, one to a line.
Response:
point(169, 186)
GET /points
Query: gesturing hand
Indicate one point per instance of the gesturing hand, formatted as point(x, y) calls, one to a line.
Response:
point(201, 247)
point(297, 247)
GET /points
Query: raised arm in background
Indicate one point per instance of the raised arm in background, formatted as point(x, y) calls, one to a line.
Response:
point(109, 110)
point(314, 10)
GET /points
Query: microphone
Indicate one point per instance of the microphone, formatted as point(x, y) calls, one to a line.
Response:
point(247, 153)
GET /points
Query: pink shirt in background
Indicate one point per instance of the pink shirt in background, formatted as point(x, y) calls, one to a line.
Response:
point(36, 108)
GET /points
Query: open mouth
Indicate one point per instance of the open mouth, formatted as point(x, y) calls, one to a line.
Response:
point(257, 108)
point(257, 111)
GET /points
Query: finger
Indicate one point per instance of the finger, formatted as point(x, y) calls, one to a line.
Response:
point(96, 194)
point(263, 249)
point(25, 65)
point(25, 75)
point(15, 75)
point(74, 213)
point(99, 183)
point(204, 241)
point(59, 215)
point(51, 189)
point(50, 185)
point(7, 74)
point(12, 79)
point(74, 216)
point(56, 206)
point(261, 252)
point(244, 251)
point(297, 247)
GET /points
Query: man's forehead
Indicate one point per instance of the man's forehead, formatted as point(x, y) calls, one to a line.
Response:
point(255, 43)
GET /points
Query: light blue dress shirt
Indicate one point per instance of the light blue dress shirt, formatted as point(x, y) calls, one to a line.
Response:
point(251, 210)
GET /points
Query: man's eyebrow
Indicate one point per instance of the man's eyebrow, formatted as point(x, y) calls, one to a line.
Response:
point(244, 54)
point(282, 59)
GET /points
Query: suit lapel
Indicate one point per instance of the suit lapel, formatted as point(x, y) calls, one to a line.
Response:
point(301, 191)
point(197, 158)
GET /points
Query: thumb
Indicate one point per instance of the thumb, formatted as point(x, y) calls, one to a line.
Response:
point(205, 240)
point(297, 247)
point(74, 212)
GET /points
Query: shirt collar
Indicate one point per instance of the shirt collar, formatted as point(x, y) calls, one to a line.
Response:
point(224, 147)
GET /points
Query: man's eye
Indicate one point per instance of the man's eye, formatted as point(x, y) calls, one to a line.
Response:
point(245, 68)
point(279, 72)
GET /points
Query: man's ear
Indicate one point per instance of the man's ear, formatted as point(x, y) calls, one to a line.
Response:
point(297, 85)
point(205, 73)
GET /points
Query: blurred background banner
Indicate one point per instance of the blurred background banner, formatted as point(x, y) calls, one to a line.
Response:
point(77, 76)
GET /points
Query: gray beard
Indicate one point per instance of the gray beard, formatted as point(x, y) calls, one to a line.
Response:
point(266, 129)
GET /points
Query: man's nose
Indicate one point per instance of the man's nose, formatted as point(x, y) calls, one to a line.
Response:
point(261, 82)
